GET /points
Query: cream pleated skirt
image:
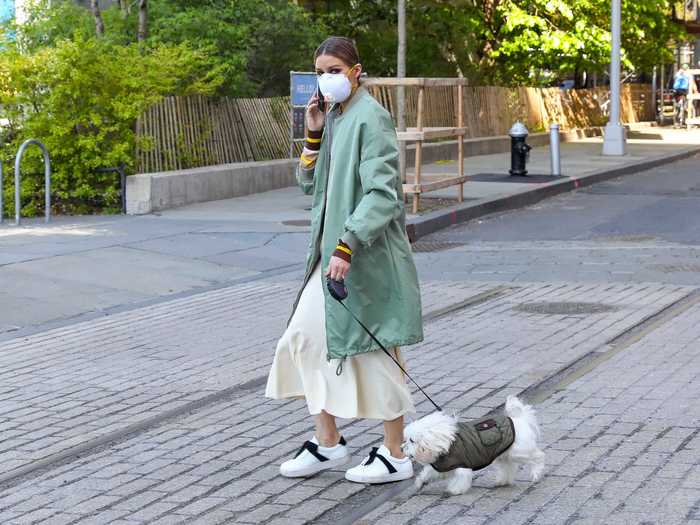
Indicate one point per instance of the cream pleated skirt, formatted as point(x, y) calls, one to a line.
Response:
point(370, 385)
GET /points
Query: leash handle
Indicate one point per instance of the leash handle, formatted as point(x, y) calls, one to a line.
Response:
point(337, 298)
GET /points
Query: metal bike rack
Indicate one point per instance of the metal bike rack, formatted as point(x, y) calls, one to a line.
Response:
point(47, 179)
point(121, 170)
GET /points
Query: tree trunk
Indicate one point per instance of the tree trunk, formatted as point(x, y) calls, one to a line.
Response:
point(124, 7)
point(143, 20)
point(99, 24)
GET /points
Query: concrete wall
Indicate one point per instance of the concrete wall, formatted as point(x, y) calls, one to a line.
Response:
point(151, 192)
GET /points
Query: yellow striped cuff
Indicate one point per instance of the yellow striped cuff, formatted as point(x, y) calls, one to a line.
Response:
point(344, 249)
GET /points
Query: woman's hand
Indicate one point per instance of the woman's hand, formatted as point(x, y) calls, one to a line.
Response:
point(337, 268)
point(314, 116)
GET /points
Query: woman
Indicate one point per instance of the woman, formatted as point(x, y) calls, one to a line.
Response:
point(350, 165)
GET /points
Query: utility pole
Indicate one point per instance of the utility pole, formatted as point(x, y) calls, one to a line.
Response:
point(401, 73)
point(614, 142)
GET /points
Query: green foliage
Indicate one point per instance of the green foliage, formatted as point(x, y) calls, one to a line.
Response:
point(82, 95)
point(81, 98)
point(210, 28)
point(49, 23)
point(432, 27)
point(283, 38)
point(541, 41)
point(255, 42)
point(258, 42)
point(507, 42)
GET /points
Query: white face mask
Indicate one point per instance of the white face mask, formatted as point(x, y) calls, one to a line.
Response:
point(335, 87)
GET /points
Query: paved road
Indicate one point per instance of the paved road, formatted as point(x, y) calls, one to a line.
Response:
point(85, 267)
point(588, 304)
point(644, 228)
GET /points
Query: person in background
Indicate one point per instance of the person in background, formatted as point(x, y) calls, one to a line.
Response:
point(681, 85)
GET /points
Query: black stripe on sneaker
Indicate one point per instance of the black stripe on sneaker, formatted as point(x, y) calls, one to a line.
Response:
point(342, 441)
point(373, 454)
point(313, 449)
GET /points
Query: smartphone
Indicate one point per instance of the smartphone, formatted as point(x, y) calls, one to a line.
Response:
point(321, 101)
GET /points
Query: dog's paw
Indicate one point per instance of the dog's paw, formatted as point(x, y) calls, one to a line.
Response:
point(501, 481)
point(536, 475)
point(455, 491)
point(418, 483)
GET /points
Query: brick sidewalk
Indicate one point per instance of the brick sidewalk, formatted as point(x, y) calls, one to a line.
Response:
point(63, 387)
point(623, 447)
point(219, 463)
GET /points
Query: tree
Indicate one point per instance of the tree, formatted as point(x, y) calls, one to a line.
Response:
point(257, 41)
point(283, 37)
point(511, 42)
point(82, 98)
point(143, 20)
point(99, 23)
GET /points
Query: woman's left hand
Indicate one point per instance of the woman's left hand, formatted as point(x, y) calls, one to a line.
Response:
point(337, 268)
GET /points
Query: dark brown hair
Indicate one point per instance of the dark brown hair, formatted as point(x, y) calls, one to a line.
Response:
point(339, 47)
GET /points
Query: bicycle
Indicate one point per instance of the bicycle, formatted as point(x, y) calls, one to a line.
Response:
point(680, 108)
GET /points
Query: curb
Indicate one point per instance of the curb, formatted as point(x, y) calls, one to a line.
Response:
point(437, 220)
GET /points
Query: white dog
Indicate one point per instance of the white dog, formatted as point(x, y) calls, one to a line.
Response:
point(454, 450)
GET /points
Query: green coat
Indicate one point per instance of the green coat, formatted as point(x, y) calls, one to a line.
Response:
point(477, 444)
point(357, 195)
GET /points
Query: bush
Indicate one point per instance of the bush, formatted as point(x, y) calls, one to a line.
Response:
point(82, 98)
point(81, 95)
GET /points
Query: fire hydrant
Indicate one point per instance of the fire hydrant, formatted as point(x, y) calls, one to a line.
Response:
point(519, 150)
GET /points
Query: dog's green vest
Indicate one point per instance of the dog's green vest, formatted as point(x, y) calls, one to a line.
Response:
point(477, 444)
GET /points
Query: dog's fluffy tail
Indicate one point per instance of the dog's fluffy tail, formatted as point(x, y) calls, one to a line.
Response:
point(517, 409)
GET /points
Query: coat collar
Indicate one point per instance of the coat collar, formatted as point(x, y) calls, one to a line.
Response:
point(361, 92)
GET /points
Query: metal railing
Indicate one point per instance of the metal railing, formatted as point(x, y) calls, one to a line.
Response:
point(121, 170)
point(47, 179)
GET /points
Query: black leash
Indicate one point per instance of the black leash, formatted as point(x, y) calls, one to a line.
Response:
point(339, 292)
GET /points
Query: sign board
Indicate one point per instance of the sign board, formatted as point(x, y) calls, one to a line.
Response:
point(298, 114)
point(301, 87)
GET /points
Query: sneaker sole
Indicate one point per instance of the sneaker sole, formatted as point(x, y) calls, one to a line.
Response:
point(387, 478)
point(317, 467)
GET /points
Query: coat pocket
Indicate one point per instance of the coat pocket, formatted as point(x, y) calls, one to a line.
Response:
point(488, 432)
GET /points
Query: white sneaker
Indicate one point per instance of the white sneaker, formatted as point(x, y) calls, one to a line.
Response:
point(380, 467)
point(313, 458)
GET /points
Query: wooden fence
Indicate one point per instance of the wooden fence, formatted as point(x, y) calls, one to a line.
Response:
point(185, 132)
point(491, 111)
